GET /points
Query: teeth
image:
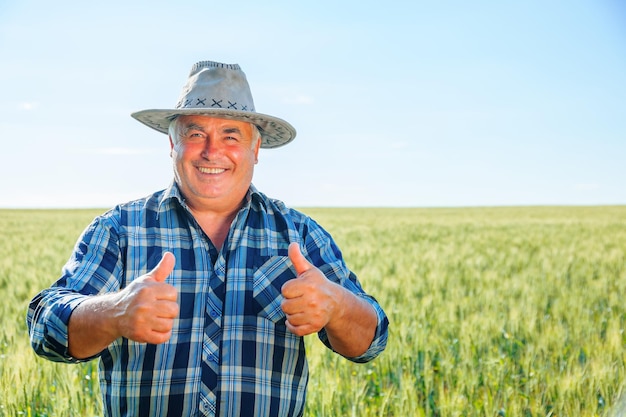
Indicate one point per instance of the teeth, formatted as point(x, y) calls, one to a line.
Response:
point(211, 170)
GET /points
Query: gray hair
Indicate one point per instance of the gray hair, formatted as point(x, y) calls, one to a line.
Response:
point(173, 131)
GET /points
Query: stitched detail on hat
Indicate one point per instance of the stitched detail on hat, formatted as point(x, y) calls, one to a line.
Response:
point(212, 64)
point(188, 103)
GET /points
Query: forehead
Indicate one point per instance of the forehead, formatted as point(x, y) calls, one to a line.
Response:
point(208, 122)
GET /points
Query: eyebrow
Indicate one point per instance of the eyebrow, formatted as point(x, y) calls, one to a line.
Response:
point(194, 126)
point(191, 126)
point(232, 130)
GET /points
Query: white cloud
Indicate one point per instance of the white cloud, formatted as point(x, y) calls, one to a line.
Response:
point(300, 99)
point(399, 145)
point(28, 106)
point(118, 151)
point(587, 187)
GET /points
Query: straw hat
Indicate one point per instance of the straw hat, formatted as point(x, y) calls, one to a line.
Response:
point(220, 90)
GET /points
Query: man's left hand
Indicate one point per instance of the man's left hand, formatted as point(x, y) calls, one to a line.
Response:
point(311, 300)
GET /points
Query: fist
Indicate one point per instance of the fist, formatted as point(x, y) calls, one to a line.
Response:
point(146, 309)
point(310, 300)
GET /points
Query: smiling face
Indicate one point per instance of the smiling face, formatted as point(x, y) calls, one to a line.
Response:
point(213, 161)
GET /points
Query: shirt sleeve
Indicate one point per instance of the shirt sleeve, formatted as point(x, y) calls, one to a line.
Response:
point(47, 318)
point(323, 252)
point(92, 269)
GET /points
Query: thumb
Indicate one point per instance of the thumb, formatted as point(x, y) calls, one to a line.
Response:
point(299, 261)
point(163, 268)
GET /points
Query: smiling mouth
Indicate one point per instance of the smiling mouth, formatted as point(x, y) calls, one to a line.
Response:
point(211, 170)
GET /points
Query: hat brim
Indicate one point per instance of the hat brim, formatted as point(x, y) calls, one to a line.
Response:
point(275, 132)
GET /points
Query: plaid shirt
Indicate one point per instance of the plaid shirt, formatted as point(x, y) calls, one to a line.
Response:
point(230, 353)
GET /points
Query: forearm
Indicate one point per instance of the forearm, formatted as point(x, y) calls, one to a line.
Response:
point(144, 312)
point(92, 326)
point(352, 330)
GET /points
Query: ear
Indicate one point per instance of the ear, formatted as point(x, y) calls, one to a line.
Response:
point(256, 150)
point(171, 145)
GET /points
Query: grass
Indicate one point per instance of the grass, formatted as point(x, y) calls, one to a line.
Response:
point(494, 312)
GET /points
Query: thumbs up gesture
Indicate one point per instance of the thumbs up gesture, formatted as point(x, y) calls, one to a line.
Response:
point(311, 301)
point(146, 309)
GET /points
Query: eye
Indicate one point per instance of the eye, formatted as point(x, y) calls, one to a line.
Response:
point(194, 136)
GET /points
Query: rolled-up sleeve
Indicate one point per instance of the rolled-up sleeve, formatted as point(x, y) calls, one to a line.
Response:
point(47, 318)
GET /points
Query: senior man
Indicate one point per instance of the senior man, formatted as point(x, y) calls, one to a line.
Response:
point(196, 298)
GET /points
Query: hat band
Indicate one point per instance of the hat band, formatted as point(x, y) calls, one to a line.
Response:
point(212, 103)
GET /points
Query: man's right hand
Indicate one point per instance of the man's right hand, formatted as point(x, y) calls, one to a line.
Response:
point(144, 312)
point(146, 309)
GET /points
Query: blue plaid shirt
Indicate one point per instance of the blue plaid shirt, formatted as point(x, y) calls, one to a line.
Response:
point(230, 353)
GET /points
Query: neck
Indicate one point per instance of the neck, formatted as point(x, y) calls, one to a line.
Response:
point(214, 215)
point(215, 224)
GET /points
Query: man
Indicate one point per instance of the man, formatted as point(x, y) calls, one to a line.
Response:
point(196, 298)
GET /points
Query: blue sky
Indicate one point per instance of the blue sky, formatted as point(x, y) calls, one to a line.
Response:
point(398, 103)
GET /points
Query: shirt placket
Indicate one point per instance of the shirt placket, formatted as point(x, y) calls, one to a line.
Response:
point(211, 339)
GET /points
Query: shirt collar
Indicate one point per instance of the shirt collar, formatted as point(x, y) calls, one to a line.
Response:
point(172, 192)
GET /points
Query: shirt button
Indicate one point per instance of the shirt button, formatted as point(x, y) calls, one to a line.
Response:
point(214, 314)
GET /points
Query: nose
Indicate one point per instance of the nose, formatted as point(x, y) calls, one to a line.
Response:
point(211, 148)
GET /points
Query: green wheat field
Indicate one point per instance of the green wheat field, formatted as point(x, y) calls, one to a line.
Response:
point(494, 312)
